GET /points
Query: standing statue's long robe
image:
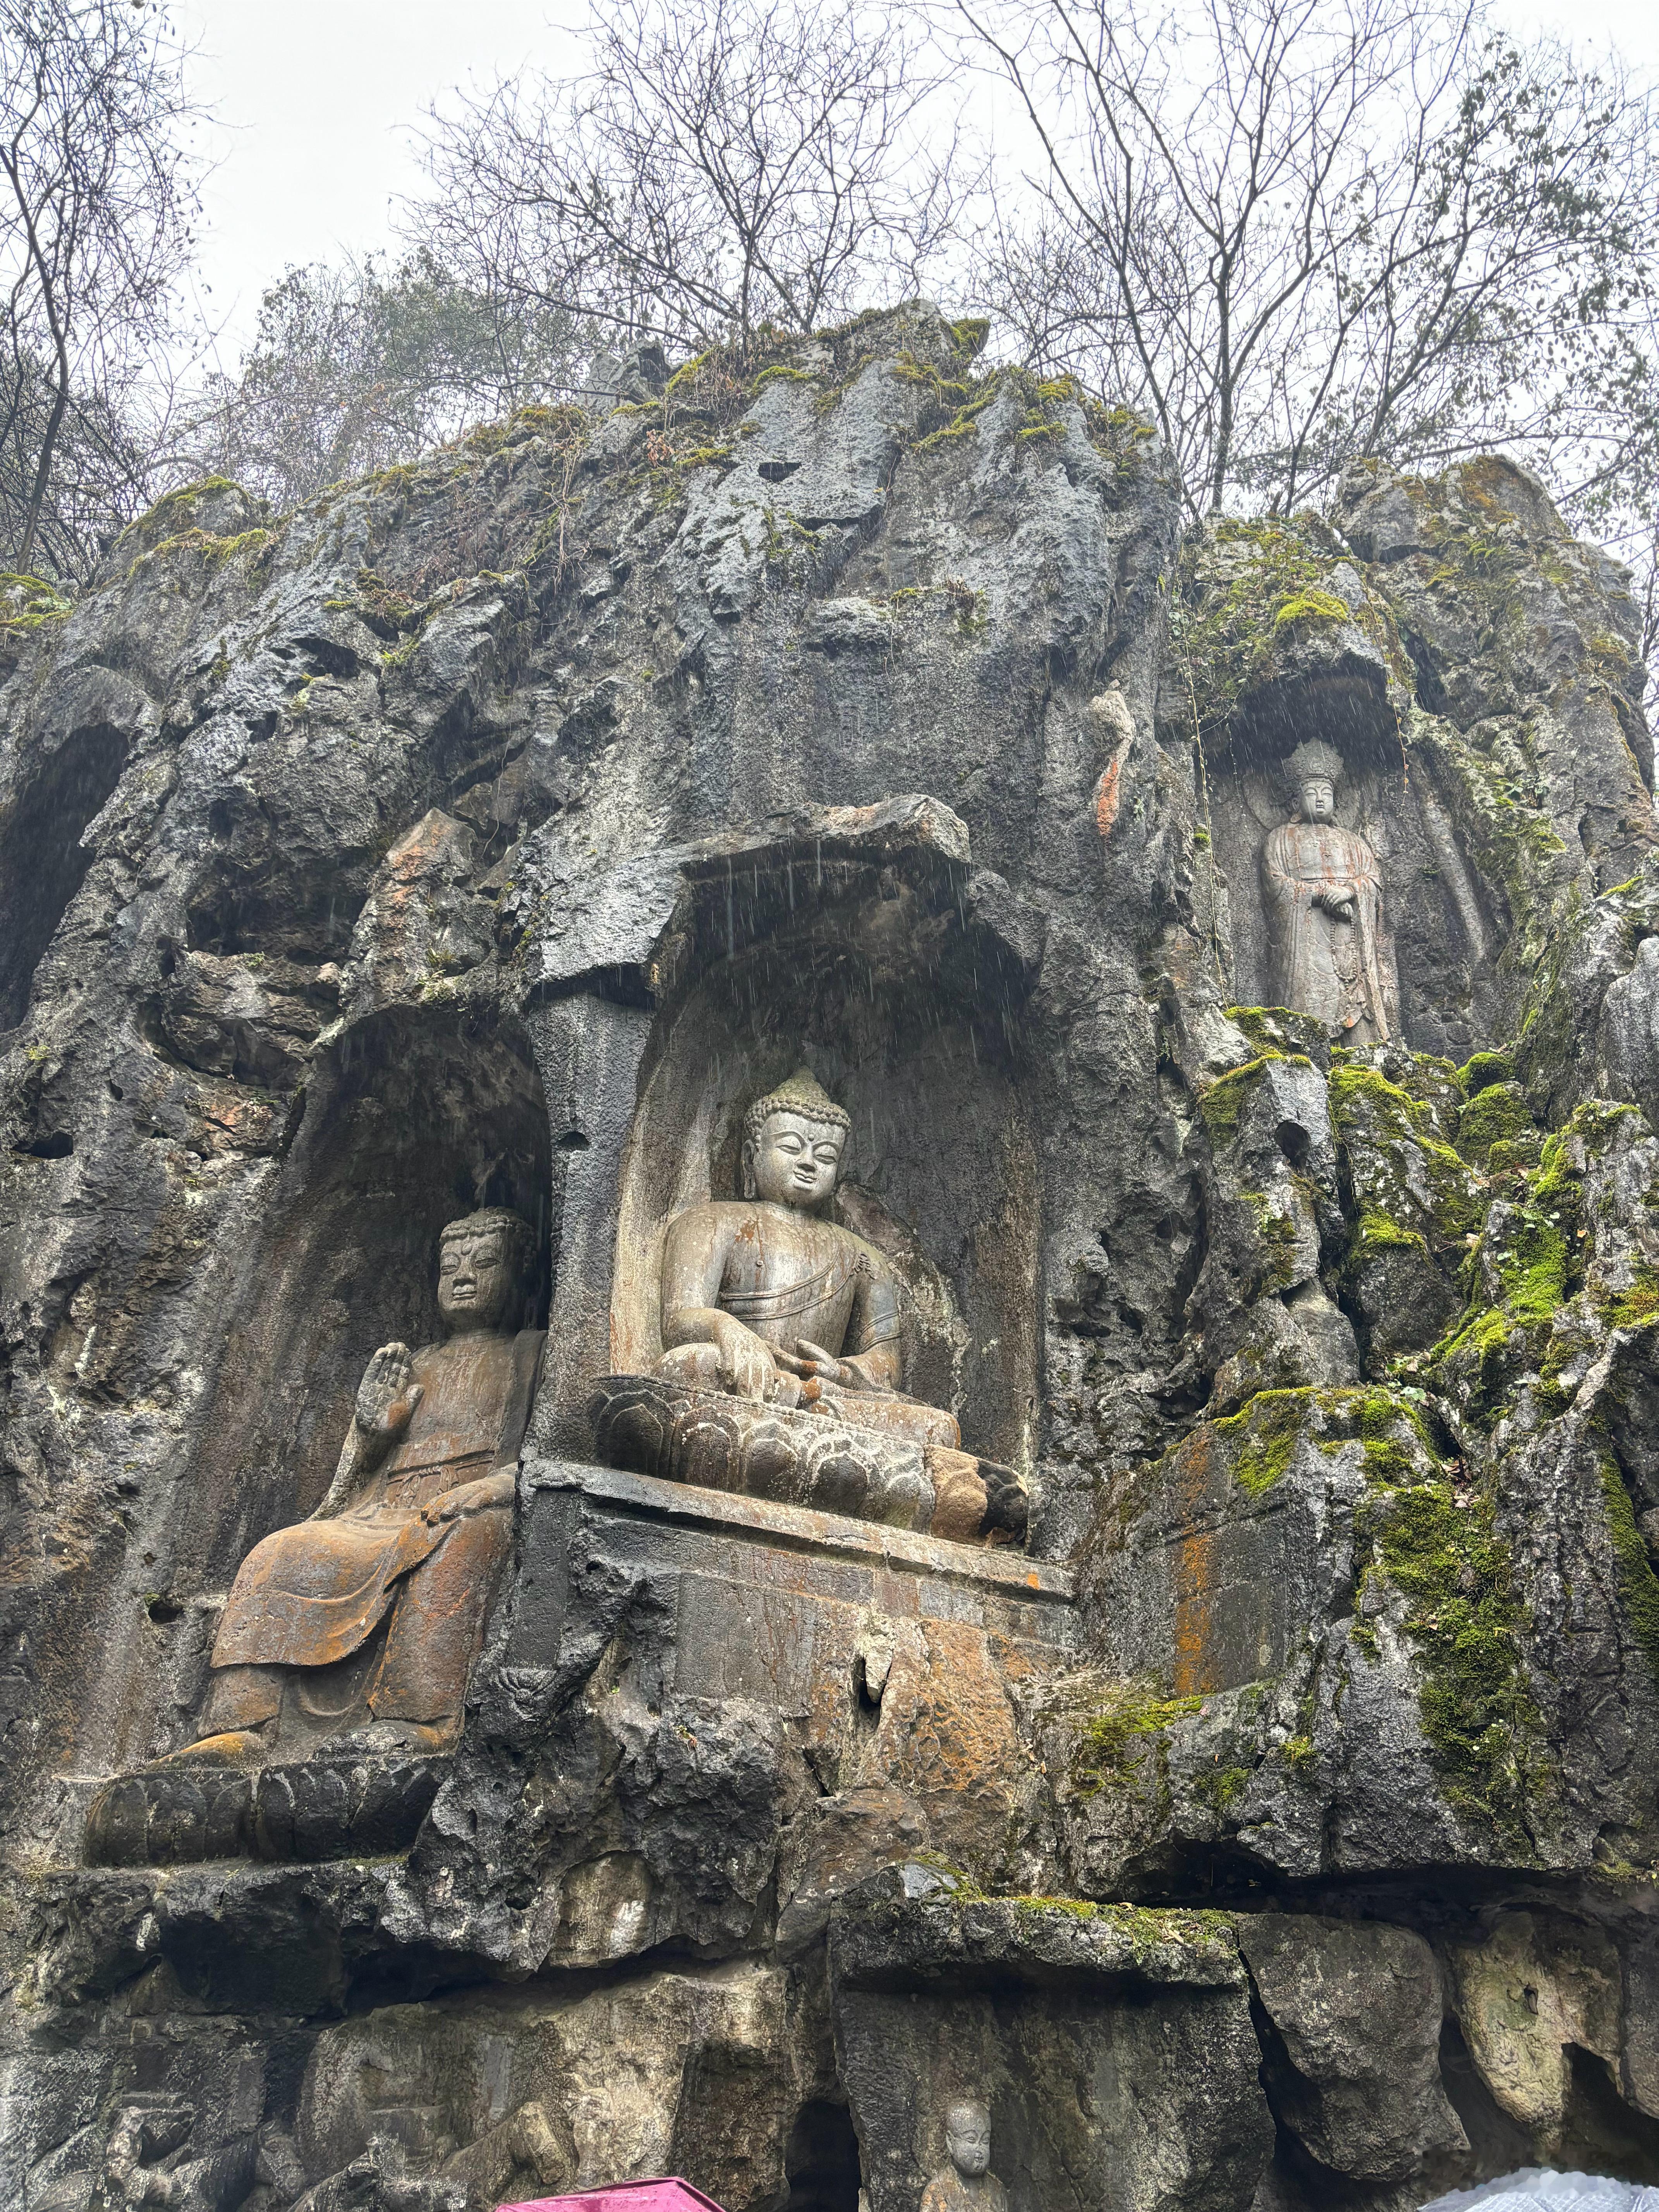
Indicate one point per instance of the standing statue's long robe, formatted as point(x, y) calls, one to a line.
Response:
point(1327, 967)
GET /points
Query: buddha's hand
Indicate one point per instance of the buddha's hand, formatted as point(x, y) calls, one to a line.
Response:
point(468, 1499)
point(745, 1361)
point(387, 1398)
point(1337, 899)
point(814, 1364)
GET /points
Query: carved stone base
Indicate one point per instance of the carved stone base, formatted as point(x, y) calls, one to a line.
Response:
point(316, 1808)
point(650, 1425)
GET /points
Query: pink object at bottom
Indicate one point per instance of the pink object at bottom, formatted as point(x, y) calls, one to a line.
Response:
point(669, 2195)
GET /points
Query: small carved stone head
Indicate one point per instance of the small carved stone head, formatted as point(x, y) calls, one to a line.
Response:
point(1314, 771)
point(793, 1142)
point(483, 1259)
point(967, 2136)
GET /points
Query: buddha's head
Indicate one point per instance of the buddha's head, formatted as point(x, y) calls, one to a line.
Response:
point(481, 1262)
point(793, 1143)
point(1314, 771)
point(967, 2136)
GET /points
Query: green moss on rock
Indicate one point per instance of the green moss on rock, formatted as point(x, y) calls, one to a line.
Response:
point(1482, 1068)
point(1496, 1112)
point(1402, 1169)
point(1638, 1586)
point(1441, 1551)
point(1110, 1739)
point(1223, 1104)
point(1282, 1030)
point(1261, 1441)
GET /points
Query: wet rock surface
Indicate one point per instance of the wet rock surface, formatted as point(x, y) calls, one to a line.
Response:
point(1277, 1826)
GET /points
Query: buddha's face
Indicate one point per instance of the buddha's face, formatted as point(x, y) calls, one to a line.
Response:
point(968, 2137)
point(795, 1162)
point(476, 1278)
point(1318, 799)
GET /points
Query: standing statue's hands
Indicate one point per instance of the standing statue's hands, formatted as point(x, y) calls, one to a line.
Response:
point(387, 1398)
point(1337, 900)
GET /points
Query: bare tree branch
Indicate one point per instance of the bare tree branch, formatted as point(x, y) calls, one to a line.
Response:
point(717, 168)
point(96, 201)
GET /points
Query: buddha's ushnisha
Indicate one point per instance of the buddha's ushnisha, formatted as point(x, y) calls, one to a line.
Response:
point(766, 1298)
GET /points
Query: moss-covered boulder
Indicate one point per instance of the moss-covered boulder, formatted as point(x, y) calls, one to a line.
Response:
point(1415, 1205)
point(1274, 1217)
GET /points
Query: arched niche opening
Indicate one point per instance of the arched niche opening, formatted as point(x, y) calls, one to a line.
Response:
point(1437, 931)
point(412, 1118)
point(886, 983)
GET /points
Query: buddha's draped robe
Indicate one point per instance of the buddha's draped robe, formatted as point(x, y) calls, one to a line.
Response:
point(312, 1594)
point(1328, 968)
point(787, 1275)
point(951, 2191)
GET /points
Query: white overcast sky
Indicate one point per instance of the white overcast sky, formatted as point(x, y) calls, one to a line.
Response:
point(316, 100)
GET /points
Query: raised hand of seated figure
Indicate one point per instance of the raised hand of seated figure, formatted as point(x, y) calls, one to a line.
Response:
point(387, 1398)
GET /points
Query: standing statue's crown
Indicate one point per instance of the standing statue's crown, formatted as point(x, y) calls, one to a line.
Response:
point(1313, 757)
point(802, 1094)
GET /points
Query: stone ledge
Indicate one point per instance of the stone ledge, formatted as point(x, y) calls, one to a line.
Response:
point(796, 1528)
point(769, 1602)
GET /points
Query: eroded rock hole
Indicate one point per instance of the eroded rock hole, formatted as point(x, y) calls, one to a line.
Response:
point(821, 2160)
point(1293, 1141)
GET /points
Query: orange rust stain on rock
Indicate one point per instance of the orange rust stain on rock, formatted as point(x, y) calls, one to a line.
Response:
point(1194, 1572)
point(1108, 792)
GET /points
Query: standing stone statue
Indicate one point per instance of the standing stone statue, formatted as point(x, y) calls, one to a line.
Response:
point(1324, 893)
point(415, 1527)
point(782, 1366)
point(967, 2184)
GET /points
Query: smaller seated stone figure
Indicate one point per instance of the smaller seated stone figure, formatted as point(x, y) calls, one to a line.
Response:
point(340, 1669)
point(967, 2185)
point(415, 1527)
point(782, 1365)
point(1324, 893)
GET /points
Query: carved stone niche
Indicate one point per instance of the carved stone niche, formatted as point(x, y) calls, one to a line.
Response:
point(865, 948)
point(256, 1735)
point(1421, 944)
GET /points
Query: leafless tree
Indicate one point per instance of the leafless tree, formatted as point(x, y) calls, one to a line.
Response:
point(96, 201)
point(719, 166)
point(1299, 231)
point(355, 367)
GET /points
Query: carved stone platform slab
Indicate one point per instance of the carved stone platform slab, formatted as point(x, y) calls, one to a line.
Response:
point(755, 1599)
point(650, 1425)
point(317, 1808)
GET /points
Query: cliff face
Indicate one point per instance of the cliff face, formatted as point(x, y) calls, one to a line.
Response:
point(1281, 1827)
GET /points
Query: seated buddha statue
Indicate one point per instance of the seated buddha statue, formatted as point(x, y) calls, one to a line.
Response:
point(412, 1533)
point(768, 1303)
point(764, 1297)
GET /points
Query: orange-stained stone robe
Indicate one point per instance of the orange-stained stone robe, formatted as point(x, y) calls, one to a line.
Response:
point(951, 2191)
point(1327, 968)
point(312, 1594)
